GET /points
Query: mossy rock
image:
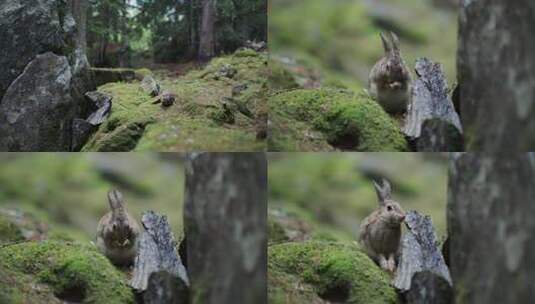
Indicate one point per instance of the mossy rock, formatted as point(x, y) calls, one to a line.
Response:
point(349, 121)
point(9, 232)
point(195, 122)
point(335, 272)
point(73, 271)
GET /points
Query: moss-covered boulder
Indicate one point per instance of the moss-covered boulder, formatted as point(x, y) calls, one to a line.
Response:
point(64, 271)
point(195, 121)
point(347, 120)
point(330, 271)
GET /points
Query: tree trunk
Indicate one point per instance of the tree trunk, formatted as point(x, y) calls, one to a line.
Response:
point(207, 42)
point(491, 228)
point(79, 12)
point(496, 70)
point(225, 226)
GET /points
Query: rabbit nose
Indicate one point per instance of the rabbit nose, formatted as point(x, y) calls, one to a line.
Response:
point(403, 217)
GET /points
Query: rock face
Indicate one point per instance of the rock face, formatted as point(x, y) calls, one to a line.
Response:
point(496, 72)
point(37, 109)
point(225, 226)
point(44, 76)
point(491, 228)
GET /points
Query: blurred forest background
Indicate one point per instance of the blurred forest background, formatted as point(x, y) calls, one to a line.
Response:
point(327, 195)
point(336, 43)
point(68, 192)
point(135, 33)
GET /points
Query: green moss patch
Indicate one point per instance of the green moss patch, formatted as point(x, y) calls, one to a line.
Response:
point(349, 121)
point(196, 120)
point(335, 272)
point(74, 272)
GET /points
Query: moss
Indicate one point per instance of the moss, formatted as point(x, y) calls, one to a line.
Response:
point(195, 122)
point(336, 272)
point(246, 53)
point(349, 121)
point(280, 78)
point(16, 287)
point(276, 232)
point(70, 269)
point(9, 232)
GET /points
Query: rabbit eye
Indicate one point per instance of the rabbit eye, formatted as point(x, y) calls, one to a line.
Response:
point(389, 208)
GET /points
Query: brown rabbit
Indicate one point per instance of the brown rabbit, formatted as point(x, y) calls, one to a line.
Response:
point(390, 79)
point(380, 232)
point(117, 232)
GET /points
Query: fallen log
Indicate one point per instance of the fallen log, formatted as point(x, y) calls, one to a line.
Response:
point(158, 253)
point(422, 275)
point(432, 124)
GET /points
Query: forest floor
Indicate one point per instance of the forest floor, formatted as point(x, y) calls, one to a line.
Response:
point(220, 107)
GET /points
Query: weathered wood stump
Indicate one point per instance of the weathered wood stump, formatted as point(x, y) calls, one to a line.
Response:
point(432, 124)
point(158, 264)
point(422, 275)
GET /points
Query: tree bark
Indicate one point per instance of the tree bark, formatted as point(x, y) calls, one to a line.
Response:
point(225, 226)
point(79, 12)
point(432, 125)
point(422, 275)
point(491, 228)
point(207, 42)
point(496, 70)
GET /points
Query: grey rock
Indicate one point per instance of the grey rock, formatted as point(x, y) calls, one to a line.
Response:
point(37, 110)
point(225, 215)
point(29, 28)
point(81, 132)
point(150, 86)
point(44, 77)
point(496, 73)
point(100, 104)
point(491, 228)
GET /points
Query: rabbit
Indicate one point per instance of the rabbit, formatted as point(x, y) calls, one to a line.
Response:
point(380, 232)
point(118, 232)
point(389, 82)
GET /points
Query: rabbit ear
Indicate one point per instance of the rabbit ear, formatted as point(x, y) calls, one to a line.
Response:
point(115, 199)
point(386, 44)
point(395, 41)
point(383, 191)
